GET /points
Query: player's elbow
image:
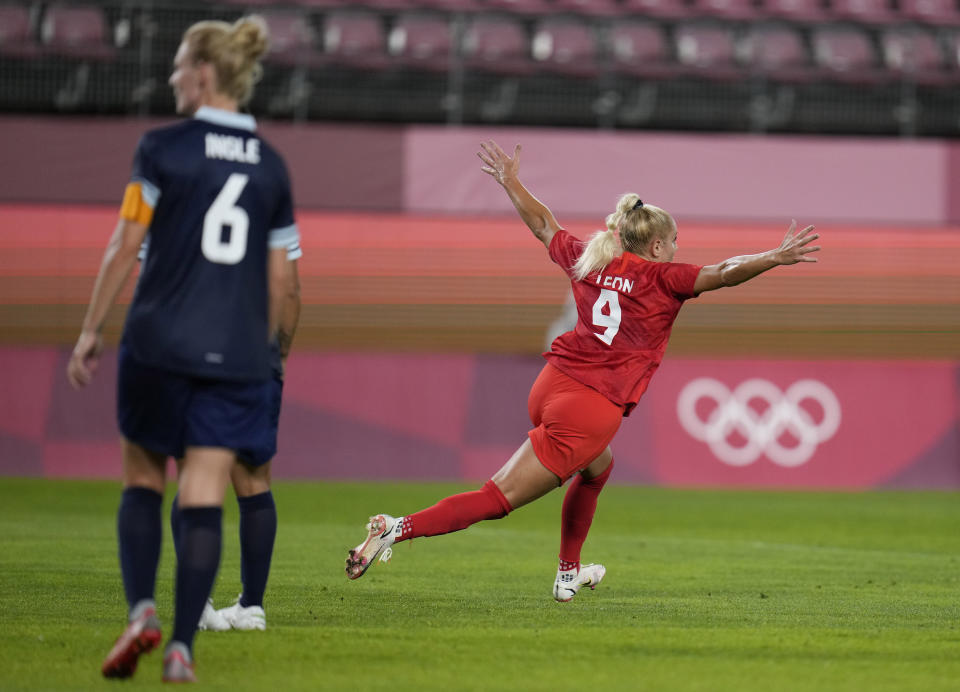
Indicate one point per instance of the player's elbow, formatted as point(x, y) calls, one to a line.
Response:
point(711, 278)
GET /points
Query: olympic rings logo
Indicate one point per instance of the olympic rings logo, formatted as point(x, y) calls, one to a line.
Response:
point(764, 431)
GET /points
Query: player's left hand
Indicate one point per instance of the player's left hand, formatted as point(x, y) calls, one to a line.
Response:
point(84, 359)
point(796, 245)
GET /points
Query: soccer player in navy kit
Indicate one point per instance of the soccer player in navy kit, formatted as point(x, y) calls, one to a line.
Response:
point(628, 291)
point(195, 352)
point(251, 483)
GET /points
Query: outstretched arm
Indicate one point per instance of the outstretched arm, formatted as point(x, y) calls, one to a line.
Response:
point(505, 169)
point(794, 248)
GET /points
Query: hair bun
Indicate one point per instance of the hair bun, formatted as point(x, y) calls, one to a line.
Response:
point(251, 36)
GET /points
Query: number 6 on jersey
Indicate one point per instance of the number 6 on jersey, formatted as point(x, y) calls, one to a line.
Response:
point(610, 321)
point(225, 212)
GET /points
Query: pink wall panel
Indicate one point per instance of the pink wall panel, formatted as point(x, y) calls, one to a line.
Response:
point(578, 172)
point(87, 160)
point(815, 179)
point(799, 423)
point(766, 423)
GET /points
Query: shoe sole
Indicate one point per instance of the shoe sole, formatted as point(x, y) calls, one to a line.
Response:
point(357, 562)
point(121, 662)
point(248, 625)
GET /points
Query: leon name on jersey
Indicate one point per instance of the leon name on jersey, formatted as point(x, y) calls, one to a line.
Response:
point(617, 283)
point(231, 148)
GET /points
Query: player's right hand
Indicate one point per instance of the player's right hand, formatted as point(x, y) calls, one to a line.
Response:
point(84, 359)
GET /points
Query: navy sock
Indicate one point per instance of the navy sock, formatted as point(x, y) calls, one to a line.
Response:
point(200, 539)
point(175, 524)
point(258, 529)
point(139, 534)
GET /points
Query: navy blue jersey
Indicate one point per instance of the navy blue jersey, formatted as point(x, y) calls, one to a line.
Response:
point(221, 199)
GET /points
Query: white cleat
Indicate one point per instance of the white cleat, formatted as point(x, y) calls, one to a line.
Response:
point(382, 531)
point(568, 583)
point(211, 620)
point(244, 617)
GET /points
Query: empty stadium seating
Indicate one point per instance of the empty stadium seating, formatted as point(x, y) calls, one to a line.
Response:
point(76, 31)
point(16, 34)
point(576, 61)
point(422, 42)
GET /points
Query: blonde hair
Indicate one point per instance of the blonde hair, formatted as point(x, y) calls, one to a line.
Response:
point(234, 50)
point(628, 228)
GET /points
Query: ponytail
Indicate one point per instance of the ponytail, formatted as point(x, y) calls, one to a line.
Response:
point(630, 228)
point(603, 246)
point(597, 253)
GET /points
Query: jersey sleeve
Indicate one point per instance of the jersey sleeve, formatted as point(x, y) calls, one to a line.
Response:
point(564, 250)
point(283, 229)
point(143, 191)
point(679, 279)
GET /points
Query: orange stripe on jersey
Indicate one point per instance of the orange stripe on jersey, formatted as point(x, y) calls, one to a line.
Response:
point(135, 207)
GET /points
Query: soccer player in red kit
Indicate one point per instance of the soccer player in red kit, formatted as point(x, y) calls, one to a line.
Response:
point(628, 292)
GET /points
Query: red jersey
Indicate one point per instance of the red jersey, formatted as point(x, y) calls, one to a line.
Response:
point(624, 316)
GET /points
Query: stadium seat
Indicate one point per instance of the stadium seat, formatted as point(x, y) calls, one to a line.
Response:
point(914, 54)
point(253, 4)
point(807, 11)
point(16, 35)
point(733, 10)
point(660, 9)
point(293, 40)
point(934, 12)
point(522, 7)
point(322, 4)
point(864, 11)
point(846, 54)
point(385, 5)
point(421, 42)
point(640, 49)
point(707, 50)
point(566, 47)
point(496, 44)
point(589, 8)
point(354, 40)
point(452, 5)
point(778, 53)
point(76, 31)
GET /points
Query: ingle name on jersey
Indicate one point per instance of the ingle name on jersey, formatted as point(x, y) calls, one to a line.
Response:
point(231, 148)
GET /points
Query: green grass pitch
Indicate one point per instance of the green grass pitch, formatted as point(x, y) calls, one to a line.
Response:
point(705, 590)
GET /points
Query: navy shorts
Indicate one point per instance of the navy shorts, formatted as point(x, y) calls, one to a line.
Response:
point(167, 412)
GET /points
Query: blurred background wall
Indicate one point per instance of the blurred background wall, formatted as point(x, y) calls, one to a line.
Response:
point(426, 302)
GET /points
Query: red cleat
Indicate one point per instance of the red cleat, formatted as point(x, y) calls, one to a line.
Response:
point(142, 635)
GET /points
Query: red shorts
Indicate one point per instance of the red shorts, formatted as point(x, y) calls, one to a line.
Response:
point(575, 423)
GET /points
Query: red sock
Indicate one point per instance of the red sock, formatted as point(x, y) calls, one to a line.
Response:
point(457, 512)
point(579, 504)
